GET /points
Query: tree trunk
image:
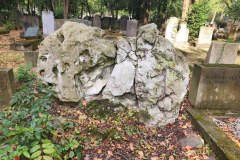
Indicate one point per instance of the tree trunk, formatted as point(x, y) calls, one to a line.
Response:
point(51, 5)
point(185, 10)
point(66, 7)
point(213, 18)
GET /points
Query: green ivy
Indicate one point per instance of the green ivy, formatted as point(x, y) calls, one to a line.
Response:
point(197, 17)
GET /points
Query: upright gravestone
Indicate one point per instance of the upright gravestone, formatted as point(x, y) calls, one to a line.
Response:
point(205, 37)
point(97, 21)
point(222, 53)
point(182, 35)
point(171, 29)
point(6, 85)
point(31, 57)
point(123, 23)
point(47, 22)
point(29, 21)
point(132, 27)
point(215, 86)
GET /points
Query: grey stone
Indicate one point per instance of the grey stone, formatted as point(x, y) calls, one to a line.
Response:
point(145, 71)
point(97, 21)
point(222, 53)
point(132, 26)
point(74, 55)
point(7, 86)
point(60, 22)
point(123, 23)
point(192, 140)
point(32, 32)
point(31, 57)
point(215, 86)
point(29, 21)
point(121, 79)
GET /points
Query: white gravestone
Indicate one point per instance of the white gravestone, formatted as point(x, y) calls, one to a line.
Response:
point(205, 36)
point(47, 22)
point(171, 29)
point(182, 36)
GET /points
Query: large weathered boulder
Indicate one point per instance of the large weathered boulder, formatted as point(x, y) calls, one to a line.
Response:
point(145, 72)
point(76, 60)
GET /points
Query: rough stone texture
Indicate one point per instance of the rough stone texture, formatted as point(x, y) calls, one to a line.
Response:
point(222, 53)
point(145, 72)
point(31, 57)
point(215, 86)
point(60, 22)
point(7, 87)
point(75, 57)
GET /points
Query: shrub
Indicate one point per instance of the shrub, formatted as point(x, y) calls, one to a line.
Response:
point(29, 131)
point(59, 12)
point(197, 17)
point(24, 73)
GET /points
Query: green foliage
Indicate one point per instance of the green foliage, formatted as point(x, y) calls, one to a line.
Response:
point(28, 130)
point(59, 12)
point(24, 73)
point(197, 17)
point(233, 11)
point(9, 25)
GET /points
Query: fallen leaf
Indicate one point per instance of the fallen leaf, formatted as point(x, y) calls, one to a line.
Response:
point(171, 158)
point(141, 154)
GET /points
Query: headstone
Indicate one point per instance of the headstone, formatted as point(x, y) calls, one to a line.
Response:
point(171, 29)
point(215, 86)
point(31, 57)
point(182, 35)
point(205, 37)
point(105, 23)
point(6, 85)
point(132, 27)
point(29, 21)
point(97, 21)
point(32, 32)
point(123, 23)
point(48, 23)
point(222, 53)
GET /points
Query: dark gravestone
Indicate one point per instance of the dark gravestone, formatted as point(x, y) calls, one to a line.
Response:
point(132, 26)
point(32, 32)
point(31, 57)
point(6, 85)
point(105, 23)
point(123, 23)
point(29, 21)
point(97, 21)
point(215, 86)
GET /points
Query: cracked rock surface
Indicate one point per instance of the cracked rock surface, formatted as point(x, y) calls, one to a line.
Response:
point(145, 72)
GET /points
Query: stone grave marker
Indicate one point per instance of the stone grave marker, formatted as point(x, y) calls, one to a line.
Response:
point(215, 86)
point(97, 21)
point(222, 53)
point(31, 57)
point(132, 27)
point(205, 37)
point(32, 32)
point(123, 23)
point(48, 23)
point(171, 29)
point(182, 35)
point(6, 85)
point(29, 21)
